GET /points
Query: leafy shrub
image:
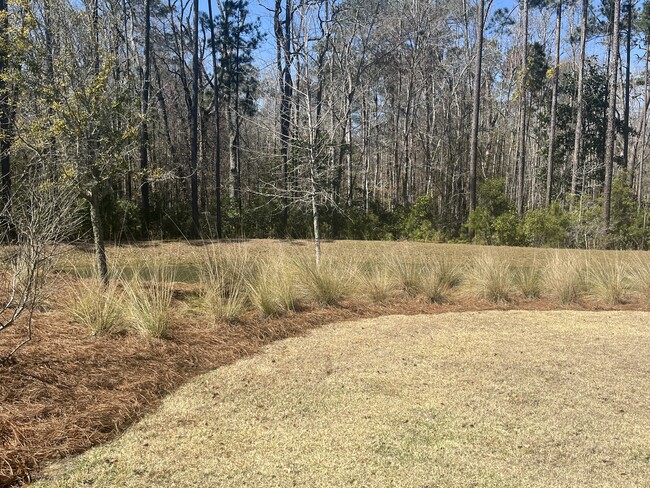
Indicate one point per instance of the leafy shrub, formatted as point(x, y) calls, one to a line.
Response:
point(480, 222)
point(507, 230)
point(547, 227)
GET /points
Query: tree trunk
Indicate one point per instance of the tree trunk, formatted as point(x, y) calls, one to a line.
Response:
point(144, 129)
point(98, 234)
point(283, 44)
point(476, 107)
point(577, 145)
point(194, 123)
point(556, 80)
point(521, 163)
point(610, 137)
point(629, 164)
point(217, 126)
point(5, 114)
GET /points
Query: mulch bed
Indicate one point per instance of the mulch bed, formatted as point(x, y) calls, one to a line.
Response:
point(68, 391)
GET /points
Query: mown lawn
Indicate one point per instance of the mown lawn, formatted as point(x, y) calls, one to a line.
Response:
point(492, 398)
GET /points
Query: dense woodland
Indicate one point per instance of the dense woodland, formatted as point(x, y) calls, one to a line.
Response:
point(493, 121)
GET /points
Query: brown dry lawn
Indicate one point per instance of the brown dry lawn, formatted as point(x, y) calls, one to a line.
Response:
point(493, 398)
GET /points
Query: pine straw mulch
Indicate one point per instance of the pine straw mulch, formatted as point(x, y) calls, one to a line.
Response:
point(68, 391)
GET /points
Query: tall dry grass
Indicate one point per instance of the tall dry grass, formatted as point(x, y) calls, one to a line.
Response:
point(149, 296)
point(272, 290)
point(99, 308)
point(439, 277)
point(490, 278)
point(564, 278)
point(608, 280)
point(223, 282)
point(325, 284)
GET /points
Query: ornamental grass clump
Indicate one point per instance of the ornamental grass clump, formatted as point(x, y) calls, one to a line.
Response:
point(608, 280)
point(439, 277)
point(223, 281)
point(528, 280)
point(100, 308)
point(564, 278)
point(377, 284)
point(272, 291)
point(408, 274)
point(149, 293)
point(324, 283)
point(490, 278)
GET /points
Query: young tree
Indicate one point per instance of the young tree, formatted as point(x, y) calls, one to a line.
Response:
point(239, 38)
point(194, 121)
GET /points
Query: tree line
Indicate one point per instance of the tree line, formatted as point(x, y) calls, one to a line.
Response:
point(514, 123)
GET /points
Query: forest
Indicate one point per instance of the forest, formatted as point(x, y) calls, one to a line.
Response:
point(492, 121)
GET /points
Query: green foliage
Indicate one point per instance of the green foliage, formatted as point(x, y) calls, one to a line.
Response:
point(548, 227)
point(492, 196)
point(418, 224)
point(507, 230)
point(480, 221)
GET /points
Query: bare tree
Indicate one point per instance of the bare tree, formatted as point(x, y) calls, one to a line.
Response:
point(556, 82)
point(41, 215)
point(577, 144)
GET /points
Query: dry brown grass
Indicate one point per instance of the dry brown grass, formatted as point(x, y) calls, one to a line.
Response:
point(531, 399)
point(69, 390)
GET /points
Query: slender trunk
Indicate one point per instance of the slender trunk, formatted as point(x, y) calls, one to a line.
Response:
point(217, 125)
point(144, 129)
point(521, 164)
point(194, 123)
point(610, 138)
point(577, 145)
point(283, 44)
point(629, 164)
point(556, 80)
point(5, 113)
point(476, 107)
point(98, 234)
point(641, 139)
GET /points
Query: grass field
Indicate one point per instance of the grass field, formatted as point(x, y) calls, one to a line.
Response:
point(501, 399)
point(102, 358)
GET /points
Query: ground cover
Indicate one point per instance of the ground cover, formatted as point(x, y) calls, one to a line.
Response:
point(508, 398)
point(73, 387)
